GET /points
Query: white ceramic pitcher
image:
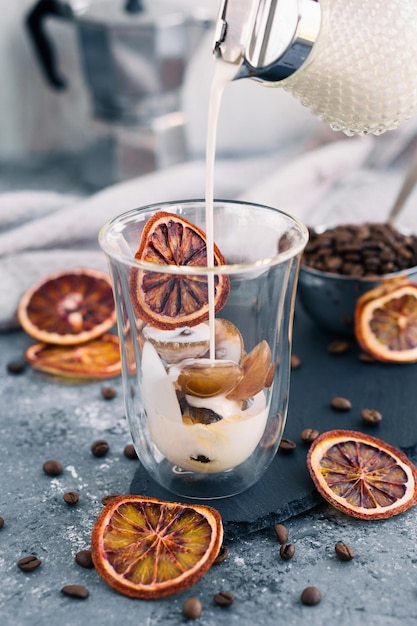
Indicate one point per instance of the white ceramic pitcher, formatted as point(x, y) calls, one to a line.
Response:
point(353, 63)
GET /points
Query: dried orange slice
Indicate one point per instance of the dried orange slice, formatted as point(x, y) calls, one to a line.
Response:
point(386, 322)
point(99, 358)
point(68, 307)
point(169, 301)
point(361, 475)
point(148, 548)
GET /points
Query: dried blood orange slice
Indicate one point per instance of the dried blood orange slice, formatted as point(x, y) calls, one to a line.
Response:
point(361, 475)
point(98, 358)
point(68, 307)
point(166, 300)
point(386, 322)
point(148, 548)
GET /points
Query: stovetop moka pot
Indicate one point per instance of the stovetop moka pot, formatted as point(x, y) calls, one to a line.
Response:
point(133, 52)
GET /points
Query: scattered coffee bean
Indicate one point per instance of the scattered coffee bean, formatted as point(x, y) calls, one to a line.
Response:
point(344, 552)
point(295, 362)
point(371, 417)
point(338, 347)
point(16, 367)
point(192, 608)
point(224, 598)
point(130, 452)
point(28, 563)
point(75, 591)
point(106, 499)
point(340, 404)
point(365, 357)
point(222, 556)
point(108, 393)
point(287, 551)
point(71, 497)
point(1, 522)
point(100, 447)
point(309, 435)
point(83, 558)
point(281, 532)
point(286, 445)
point(310, 596)
point(53, 468)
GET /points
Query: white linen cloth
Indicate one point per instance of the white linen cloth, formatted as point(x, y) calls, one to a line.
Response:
point(43, 232)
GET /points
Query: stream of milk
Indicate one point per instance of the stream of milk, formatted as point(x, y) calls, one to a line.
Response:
point(223, 74)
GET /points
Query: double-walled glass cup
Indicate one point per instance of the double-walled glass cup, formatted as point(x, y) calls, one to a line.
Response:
point(206, 404)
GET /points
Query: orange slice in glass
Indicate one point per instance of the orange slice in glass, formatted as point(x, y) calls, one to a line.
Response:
point(169, 301)
point(69, 307)
point(386, 322)
point(148, 548)
point(99, 358)
point(361, 475)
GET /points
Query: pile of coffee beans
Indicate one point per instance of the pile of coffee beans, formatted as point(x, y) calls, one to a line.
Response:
point(370, 249)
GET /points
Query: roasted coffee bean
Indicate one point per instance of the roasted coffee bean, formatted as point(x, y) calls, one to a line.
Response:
point(360, 249)
point(365, 357)
point(281, 532)
point(309, 435)
point(16, 367)
point(108, 393)
point(286, 445)
point(100, 447)
point(71, 497)
point(371, 417)
point(338, 347)
point(28, 563)
point(106, 499)
point(1, 522)
point(192, 608)
point(333, 264)
point(224, 598)
point(340, 404)
point(287, 551)
point(295, 362)
point(310, 596)
point(344, 552)
point(130, 452)
point(222, 556)
point(53, 468)
point(75, 591)
point(83, 558)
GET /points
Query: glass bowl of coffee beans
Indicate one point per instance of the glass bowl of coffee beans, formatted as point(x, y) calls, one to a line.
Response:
point(342, 262)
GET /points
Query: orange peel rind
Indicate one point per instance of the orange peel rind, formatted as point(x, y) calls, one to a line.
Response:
point(68, 307)
point(386, 321)
point(362, 476)
point(96, 359)
point(166, 300)
point(148, 548)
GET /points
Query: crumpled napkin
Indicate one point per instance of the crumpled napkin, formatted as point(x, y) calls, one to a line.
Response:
point(43, 232)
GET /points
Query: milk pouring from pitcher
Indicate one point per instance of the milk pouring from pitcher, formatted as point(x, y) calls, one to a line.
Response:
point(353, 63)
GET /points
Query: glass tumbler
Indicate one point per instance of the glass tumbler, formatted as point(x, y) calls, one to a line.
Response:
point(206, 404)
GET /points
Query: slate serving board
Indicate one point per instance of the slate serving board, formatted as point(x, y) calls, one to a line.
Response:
point(286, 488)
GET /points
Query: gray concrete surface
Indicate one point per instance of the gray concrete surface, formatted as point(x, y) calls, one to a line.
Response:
point(42, 419)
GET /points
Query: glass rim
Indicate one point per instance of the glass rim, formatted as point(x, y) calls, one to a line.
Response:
point(228, 268)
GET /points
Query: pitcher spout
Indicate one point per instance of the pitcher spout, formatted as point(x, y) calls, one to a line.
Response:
point(269, 39)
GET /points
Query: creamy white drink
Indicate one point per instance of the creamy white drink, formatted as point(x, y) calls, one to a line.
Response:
point(227, 434)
